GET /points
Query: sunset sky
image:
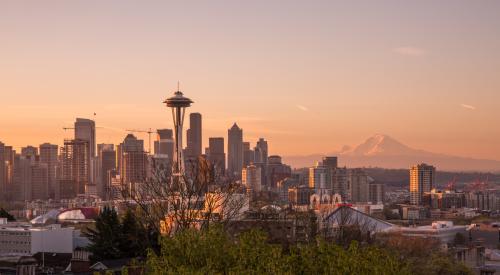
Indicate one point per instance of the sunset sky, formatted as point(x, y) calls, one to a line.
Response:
point(309, 76)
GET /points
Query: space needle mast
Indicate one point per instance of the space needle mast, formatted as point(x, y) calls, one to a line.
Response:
point(178, 103)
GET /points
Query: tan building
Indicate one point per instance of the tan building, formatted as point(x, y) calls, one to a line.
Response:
point(252, 178)
point(422, 180)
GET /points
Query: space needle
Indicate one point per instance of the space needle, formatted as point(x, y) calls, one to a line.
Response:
point(178, 103)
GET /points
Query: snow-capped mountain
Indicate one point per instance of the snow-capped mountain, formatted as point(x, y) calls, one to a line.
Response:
point(386, 152)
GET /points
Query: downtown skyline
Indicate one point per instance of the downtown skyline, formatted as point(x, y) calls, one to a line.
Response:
point(342, 78)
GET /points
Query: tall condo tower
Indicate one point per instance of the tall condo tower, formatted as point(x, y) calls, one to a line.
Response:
point(178, 103)
point(422, 180)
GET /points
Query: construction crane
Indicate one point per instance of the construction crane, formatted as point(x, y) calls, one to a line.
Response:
point(72, 128)
point(149, 132)
point(478, 184)
point(451, 184)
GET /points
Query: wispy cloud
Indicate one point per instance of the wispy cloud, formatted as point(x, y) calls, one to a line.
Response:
point(303, 108)
point(466, 106)
point(409, 51)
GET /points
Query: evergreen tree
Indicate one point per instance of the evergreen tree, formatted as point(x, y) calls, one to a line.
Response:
point(134, 239)
point(5, 214)
point(105, 238)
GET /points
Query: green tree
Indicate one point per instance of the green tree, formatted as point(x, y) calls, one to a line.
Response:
point(5, 214)
point(459, 239)
point(214, 252)
point(133, 241)
point(105, 238)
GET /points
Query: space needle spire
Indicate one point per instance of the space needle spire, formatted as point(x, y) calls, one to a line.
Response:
point(178, 103)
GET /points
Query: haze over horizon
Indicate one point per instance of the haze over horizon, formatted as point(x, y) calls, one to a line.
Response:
point(310, 78)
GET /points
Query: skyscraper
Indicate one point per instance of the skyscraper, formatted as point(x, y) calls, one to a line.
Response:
point(330, 162)
point(422, 179)
point(130, 143)
point(340, 183)
point(85, 130)
point(8, 164)
point(251, 177)
point(235, 151)
point(133, 162)
point(133, 171)
point(3, 177)
point(29, 152)
point(20, 189)
point(319, 179)
point(75, 170)
point(377, 192)
point(164, 145)
point(39, 185)
point(248, 154)
point(276, 172)
point(216, 154)
point(49, 156)
point(107, 162)
point(261, 151)
point(359, 183)
point(194, 136)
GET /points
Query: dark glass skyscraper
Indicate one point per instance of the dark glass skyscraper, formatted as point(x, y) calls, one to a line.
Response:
point(194, 136)
point(235, 151)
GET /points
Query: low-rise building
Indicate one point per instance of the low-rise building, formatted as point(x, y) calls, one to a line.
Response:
point(20, 239)
point(444, 231)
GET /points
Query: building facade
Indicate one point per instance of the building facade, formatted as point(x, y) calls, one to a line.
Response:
point(235, 151)
point(422, 180)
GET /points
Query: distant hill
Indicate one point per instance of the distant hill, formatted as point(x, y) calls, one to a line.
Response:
point(384, 151)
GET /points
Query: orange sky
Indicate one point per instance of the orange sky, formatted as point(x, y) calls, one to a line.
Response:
point(308, 76)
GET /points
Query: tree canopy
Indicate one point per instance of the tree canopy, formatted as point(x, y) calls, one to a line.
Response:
point(5, 214)
point(214, 252)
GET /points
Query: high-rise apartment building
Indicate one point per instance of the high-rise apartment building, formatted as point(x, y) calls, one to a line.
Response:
point(85, 130)
point(377, 192)
point(20, 190)
point(194, 136)
point(359, 183)
point(216, 155)
point(133, 162)
point(422, 180)
point(235, 151)
point(75, 169)
point(320, 179)
point(134, 167)
point(164, 145)
point(49, 156)
point(3, 170)
point(129, 144)
point(29, 152)
point(8, 171)
point(251, 177)
point(39, 185)
point(330, 162)
point(276, 172)
point(340, 183)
